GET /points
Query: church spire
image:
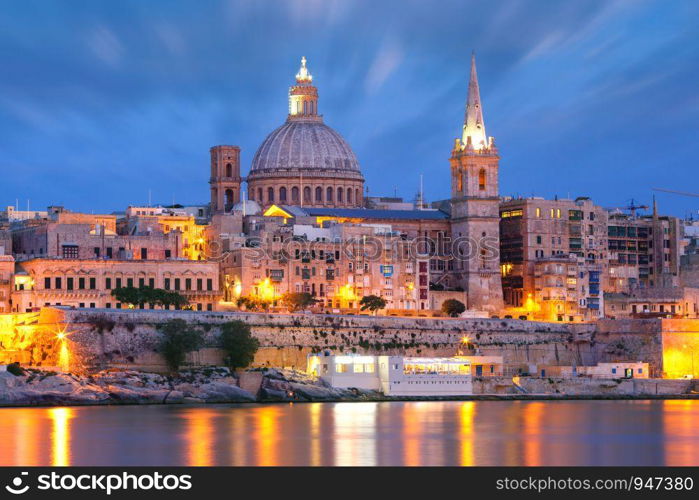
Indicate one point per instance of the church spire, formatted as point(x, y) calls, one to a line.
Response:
point(474, 126)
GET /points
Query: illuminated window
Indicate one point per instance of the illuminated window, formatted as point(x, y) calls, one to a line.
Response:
point(481, 180)
point(538, 212)
point(341, 368)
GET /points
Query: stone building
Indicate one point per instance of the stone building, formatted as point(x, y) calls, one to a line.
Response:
point(89, 282)
point(337, 263)
point(305, 162)
point(7, 271)
point(644, 252)
point(474, 206)
point(665, 302)
point(540, 237)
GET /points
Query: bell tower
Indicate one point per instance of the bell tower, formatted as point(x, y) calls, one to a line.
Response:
point(225, 178)
point(475, 202)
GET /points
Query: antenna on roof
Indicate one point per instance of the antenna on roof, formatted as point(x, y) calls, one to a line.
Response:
point(421, 194)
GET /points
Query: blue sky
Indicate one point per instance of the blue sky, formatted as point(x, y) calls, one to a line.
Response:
point(101, 101)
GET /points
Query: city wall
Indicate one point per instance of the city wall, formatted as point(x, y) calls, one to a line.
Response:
point(100, 338)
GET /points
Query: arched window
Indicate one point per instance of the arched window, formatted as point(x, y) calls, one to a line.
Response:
point(282, 194)
point(459, 183)
point(305, 107)
point(259, 195)
point(295, 194)
point(357, 196)
point(329, 195)
point(340, 194)
point(481, 180)
point(319, 194)
point(349, 196)
point(229, 198)
point(270, 194)
point(306, 194)
point(229, 170)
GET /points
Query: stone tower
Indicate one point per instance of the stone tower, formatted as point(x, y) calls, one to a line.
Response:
point(225, 178)
point(475, 217)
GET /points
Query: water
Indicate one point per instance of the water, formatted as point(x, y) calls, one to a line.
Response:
point(396, 433)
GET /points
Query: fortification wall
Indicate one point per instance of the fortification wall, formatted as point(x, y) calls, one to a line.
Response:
point(129, 338)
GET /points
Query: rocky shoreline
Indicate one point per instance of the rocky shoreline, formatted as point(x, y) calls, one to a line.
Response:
point(201, 386)
point(218, 385)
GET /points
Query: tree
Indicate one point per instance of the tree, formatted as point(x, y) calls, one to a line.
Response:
point(298, 301)
point(149, 295)
point(238, 344)
point(179, 338)
point(127, 295)
point(453, 307)
point(372, 302)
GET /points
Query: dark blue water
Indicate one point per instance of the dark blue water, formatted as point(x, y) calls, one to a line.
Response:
point(410, 433)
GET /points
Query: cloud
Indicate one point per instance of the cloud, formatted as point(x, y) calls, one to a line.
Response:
point(105, 45)
point(386, 62)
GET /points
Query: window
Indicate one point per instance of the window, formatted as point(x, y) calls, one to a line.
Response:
point(118, 283)
point(141, 282)
point(188, 283)
point(47, 283)
point(229, 170)
point(339, 195)
point(481, 180)
point(167, 283)
point(177, 283)
point(129, 282)
point(109, 252)
point(538, 212)
point(200, 284)
point(307, 194)
point(270, 195)
point(319, 195)
point(209, 284)
point(151, 282)
point(69, 283)
point(81, 283)
point(168, 254)
point(295, 194)
point(70, 251)
point(93, 283)
point(108, 283)
point(282, 194)
point(329, 195)
point(97, 252)
point(144, 253)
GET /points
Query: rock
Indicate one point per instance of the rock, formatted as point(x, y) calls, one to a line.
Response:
point(269, 394)
point(192, 401)
point(218, 392)
point(174, 397)
point(315, 392)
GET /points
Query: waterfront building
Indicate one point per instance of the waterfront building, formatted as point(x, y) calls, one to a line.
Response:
point(7, 270)
point(395, 375)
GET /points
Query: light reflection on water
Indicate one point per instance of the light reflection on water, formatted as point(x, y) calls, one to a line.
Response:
point(411, 433)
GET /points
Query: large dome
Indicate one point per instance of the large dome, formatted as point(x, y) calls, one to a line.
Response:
point(304, 161)
point(305, 146)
